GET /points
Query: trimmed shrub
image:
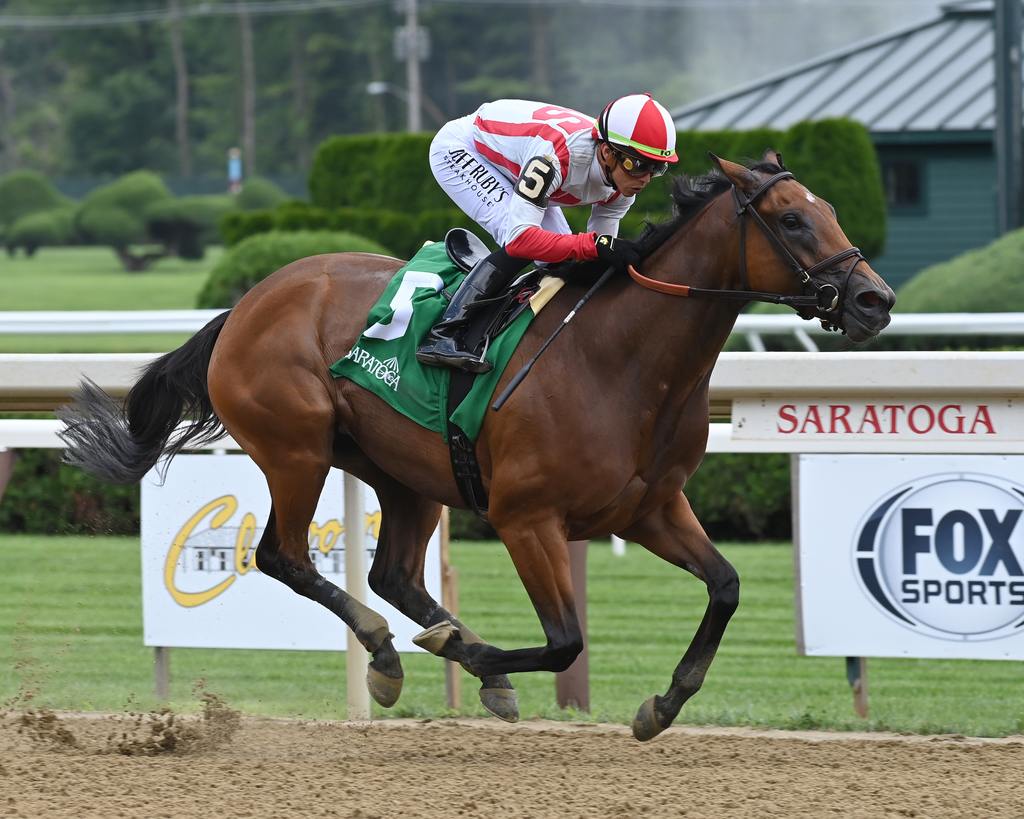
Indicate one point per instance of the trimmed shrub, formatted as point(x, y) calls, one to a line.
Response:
point(255, 258)
point(377, 171)
point(186, 225)
point(259, 194)
point(402, 234)
point(111, 225)
point(113, 214)
point(26, 192)
point(45, 228)
point(836, 159)
point(47, 497)
point(239, 225)
point(392, 229)
point(989, 279)
point(738, 496)
point(303, 216)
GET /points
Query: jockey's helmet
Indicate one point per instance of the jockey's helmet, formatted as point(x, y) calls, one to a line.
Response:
point(638, 125)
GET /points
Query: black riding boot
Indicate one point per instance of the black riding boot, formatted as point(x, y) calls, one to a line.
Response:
point(444, 346)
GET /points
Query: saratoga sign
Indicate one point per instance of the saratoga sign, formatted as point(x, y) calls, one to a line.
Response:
point(917, 556)
point(201, 586)
point(914, 422)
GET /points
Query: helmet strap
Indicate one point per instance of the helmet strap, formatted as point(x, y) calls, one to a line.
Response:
point(606, 171)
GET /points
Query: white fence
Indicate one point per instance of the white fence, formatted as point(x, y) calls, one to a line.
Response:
point(753, 327)
point(45, 381)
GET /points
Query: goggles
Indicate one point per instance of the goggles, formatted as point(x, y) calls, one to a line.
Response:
point(636, 166)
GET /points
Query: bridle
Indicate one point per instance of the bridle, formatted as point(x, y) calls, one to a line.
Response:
point(818, 299)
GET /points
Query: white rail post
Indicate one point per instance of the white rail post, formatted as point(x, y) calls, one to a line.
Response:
point(356, 657)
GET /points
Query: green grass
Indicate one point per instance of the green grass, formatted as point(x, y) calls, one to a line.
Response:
point(71, 637)
point(91, 278)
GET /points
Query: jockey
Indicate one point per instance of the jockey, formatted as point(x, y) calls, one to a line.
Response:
point(513, 164)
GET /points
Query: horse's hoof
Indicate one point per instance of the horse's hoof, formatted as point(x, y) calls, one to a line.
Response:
point(646, 724)
point(435, 638)
point(385, 690)
point(501, 702)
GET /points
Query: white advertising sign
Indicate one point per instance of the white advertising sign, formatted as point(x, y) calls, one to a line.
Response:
point(919, 556)
point(200, 588)
point(895, 425)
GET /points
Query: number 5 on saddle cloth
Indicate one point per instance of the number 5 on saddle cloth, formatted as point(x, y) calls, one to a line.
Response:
point(383, 359)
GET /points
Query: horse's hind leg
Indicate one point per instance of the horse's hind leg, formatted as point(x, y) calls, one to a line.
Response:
point(674, 534)
point(283, 553)
point(407, 521)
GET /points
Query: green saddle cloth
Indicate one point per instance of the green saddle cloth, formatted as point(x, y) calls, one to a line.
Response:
point(383, 360)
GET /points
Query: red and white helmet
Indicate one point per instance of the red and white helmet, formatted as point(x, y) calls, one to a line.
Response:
point(638, 124)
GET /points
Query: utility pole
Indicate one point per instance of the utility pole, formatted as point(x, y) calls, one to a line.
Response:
point(181, 85)
point(1008, 113)
point(248, 91)
point(412, 66)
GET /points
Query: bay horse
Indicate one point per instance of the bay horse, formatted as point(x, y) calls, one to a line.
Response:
point(599, 439)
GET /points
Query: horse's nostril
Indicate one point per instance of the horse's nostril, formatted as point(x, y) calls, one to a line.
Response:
point(869, 299)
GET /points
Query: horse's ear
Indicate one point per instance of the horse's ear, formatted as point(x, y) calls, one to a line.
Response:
point(743, 178)
point(771, 155)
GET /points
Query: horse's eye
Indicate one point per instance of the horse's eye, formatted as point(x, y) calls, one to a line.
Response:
point(790, 221)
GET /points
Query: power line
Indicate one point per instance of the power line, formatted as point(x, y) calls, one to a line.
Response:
point(267, 7)
point(120, 18)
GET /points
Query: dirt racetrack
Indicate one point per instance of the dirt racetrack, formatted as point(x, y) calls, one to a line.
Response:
point(224, 765)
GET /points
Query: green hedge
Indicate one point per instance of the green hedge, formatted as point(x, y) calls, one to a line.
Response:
point(114, 214)
point(44, 228)
point(26, 192)
point(834, 158)
point(989, 279)
point(736, 497)
point(47, 497)
point(403, 234)
point(187, 225)
point(377, 171)
point(255, 258)
point(258, 193)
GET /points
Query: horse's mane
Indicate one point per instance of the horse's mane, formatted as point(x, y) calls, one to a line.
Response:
point(690, 195)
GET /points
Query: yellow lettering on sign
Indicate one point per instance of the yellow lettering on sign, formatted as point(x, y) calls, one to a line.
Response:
point(325, 537)
point(222, 508)
point(243, 543)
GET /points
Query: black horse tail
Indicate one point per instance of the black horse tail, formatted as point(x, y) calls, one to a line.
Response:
point(121, 442)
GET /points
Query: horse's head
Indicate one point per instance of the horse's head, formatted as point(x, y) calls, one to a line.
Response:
point(794, 246)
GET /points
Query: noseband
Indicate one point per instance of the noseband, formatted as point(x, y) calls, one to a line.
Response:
point(822, 298)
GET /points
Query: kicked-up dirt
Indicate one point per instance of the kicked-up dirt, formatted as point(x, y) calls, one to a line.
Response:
point(223, 765)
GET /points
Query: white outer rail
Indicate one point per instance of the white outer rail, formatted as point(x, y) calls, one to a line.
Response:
point(44, 381)
point(54, 322)
point(751, 325)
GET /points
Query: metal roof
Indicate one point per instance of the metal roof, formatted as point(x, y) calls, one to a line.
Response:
point(938, 75)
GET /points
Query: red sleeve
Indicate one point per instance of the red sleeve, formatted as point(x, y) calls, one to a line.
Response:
point(545, 246)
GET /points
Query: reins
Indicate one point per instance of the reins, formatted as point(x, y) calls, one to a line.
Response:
point(826, 297)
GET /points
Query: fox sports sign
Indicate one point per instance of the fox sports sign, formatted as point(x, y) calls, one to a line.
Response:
point(943, 555)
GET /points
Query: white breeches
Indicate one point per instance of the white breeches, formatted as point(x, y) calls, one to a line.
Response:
point(475, 184)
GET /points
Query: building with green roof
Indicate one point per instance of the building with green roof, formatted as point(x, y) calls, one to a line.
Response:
point(927, 95)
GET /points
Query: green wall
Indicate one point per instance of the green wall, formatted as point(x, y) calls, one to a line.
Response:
point(958, 210)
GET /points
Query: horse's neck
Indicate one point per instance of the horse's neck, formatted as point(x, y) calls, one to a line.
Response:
point(671, 343)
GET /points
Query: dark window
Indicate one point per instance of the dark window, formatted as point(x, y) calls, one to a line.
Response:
point(902, 181)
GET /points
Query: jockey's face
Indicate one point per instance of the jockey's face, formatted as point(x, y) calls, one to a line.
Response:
point(625, 183)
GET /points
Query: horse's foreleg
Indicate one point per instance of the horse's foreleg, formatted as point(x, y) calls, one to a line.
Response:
point(540, 553)
point(283, 553)
point(674, 534)
point(407, 521)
